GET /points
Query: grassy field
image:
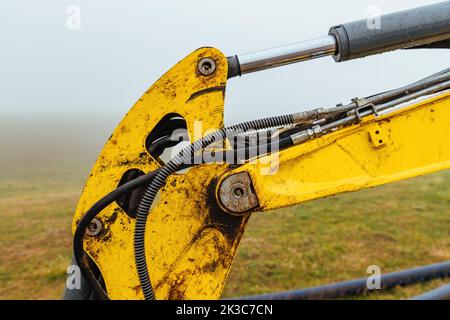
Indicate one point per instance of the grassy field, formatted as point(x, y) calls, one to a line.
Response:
point(397, 226)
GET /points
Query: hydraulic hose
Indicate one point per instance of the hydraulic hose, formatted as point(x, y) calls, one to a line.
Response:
point(359, 286)
point(78, 250)
point(441, 293)
point(240, 155)
point(171, 167)
point(155, 180)
point(79, 255)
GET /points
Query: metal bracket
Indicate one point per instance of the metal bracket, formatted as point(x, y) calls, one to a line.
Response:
point(362, 103)
point(377, 136)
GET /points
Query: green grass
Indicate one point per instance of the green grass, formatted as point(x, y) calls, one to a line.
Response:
point(35, 242)
point(396, 226)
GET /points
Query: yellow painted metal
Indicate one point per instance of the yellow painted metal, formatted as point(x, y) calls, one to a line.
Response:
point(191, 242)
point(190, 246)
point(403, 144)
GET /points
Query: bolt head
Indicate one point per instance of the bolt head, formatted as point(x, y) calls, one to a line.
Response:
point(236, 194)
point(94, 228)
point(206, 66)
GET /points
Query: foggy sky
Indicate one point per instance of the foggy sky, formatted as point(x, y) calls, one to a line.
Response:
point(123, 46)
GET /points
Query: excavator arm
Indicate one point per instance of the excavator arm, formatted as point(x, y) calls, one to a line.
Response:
point(170, 224)
point(407, 143)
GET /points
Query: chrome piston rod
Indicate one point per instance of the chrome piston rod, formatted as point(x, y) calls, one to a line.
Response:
point(423, 27)
point(283, 55)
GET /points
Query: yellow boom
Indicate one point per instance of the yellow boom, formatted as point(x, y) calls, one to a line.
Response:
point(168, 226)
point(194, 227)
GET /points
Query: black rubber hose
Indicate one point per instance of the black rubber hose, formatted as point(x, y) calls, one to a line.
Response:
point(172, 166)
point(78, 249)
point(238, 156)
point(359, 286)
point(441, 293)
point(80, 256)
point(157, 148)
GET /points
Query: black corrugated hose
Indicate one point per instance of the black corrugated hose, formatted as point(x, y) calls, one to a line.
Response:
point(173, 166)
